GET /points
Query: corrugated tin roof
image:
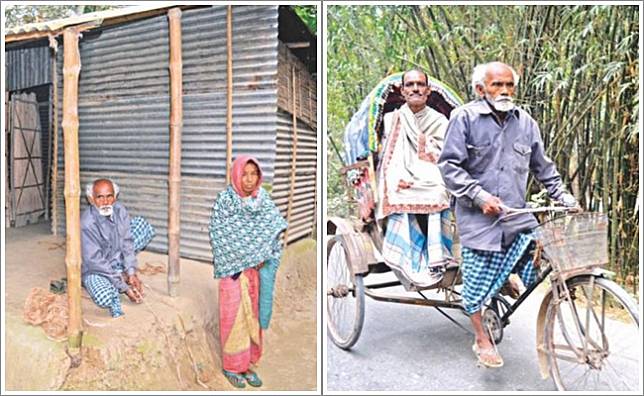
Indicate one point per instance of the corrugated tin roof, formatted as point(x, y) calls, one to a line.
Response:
point(24, 32)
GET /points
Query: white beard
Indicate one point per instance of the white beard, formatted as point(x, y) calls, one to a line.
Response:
point(500, 103)
point(105, 210)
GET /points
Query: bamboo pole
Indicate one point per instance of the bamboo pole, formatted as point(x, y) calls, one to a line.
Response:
point(71, 71)
point(53, 44)
point(229, 92)
point(47, 175)
point(174, 175)
point(289, 209)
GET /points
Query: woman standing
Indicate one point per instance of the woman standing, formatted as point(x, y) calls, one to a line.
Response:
point(244, 229)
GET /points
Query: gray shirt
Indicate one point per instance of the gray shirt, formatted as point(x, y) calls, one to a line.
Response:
point(106, 244)
point(482, 157)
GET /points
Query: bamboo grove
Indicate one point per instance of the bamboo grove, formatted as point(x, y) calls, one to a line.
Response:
point(579, 68)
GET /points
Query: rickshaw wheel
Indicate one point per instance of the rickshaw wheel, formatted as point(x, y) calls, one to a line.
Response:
point(591, 339)
point(345, 296)
point(492, 321)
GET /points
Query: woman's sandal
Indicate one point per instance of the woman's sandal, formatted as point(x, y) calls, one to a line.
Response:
point(237, 380)
point(252, 378)
point(493, 360)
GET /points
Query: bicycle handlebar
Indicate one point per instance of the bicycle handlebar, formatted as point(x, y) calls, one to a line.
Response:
point(509, 212)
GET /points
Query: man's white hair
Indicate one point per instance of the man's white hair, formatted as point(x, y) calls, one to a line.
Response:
point(89, 189)
point(478, 75)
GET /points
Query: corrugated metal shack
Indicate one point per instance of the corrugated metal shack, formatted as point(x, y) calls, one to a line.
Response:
point(124, 108)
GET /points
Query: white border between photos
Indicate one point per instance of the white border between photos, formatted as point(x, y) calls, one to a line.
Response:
point(325, 341)
point(319, 195)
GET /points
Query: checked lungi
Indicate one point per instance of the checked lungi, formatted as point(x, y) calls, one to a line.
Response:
point(407, 248)
point(100, 289)
point(485, 272)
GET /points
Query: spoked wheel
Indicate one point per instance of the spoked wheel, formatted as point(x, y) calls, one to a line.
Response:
point(593, 340)
point(492, 320)
point(345, 296)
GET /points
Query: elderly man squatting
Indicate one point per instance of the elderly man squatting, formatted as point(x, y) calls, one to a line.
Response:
point(109, 242)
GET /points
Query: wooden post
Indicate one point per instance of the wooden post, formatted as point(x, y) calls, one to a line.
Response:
point(289, 209)
point(174, 176)
point(229, 93)
point(71, 71)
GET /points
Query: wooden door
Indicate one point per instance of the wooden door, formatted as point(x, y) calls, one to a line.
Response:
point(26, 181)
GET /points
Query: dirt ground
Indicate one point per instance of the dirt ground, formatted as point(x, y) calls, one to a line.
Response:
point(163, 344)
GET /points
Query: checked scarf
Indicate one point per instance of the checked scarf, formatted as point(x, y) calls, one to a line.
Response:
point(244, 232)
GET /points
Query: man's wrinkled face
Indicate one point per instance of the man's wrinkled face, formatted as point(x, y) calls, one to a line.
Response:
point(250, 176)
point(104, 197)
point(499, 87)
point(414, 89)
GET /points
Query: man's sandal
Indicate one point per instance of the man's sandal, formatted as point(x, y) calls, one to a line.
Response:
point(488, 357)
point(252, 378)
point(236, 380)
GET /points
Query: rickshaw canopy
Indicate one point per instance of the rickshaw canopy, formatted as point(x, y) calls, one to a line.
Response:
point(363, 132)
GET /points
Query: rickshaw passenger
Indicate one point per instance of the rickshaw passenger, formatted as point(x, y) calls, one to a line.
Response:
point(490, 146)
point(412, 194)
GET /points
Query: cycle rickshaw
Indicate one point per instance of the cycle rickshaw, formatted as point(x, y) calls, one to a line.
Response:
point(586, 322)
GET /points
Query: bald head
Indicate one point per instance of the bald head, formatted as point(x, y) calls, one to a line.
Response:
point(102, 183)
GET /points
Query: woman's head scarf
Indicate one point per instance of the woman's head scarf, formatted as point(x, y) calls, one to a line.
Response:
point(238, 170)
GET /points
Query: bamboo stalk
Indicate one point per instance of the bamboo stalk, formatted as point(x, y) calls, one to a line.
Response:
point(53, 44)
point(71, 71)
point(47, 175)
point(229, 92)
point(174, 174)
point(289, 209)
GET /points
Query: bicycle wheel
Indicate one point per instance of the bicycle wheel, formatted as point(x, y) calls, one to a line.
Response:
point(345, 296)
point(592, 340)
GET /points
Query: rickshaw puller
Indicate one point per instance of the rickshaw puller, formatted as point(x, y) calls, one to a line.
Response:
point(490, 147)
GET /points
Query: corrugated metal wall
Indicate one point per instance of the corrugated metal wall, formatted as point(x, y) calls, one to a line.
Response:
point(204, 86)
point(303, 207)
point(27, 66)
point(124, 112)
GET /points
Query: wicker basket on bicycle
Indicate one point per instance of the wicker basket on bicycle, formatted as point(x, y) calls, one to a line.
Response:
point(575, 242)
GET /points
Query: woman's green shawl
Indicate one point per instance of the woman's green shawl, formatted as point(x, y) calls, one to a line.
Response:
point(244, 235)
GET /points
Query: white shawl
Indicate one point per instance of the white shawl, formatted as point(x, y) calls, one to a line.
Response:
point(413, 143)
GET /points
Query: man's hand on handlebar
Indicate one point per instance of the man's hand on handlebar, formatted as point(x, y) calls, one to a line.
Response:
point(492, 206)
point(569, 201)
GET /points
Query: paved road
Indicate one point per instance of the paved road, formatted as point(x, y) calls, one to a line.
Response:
point(414, 348)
